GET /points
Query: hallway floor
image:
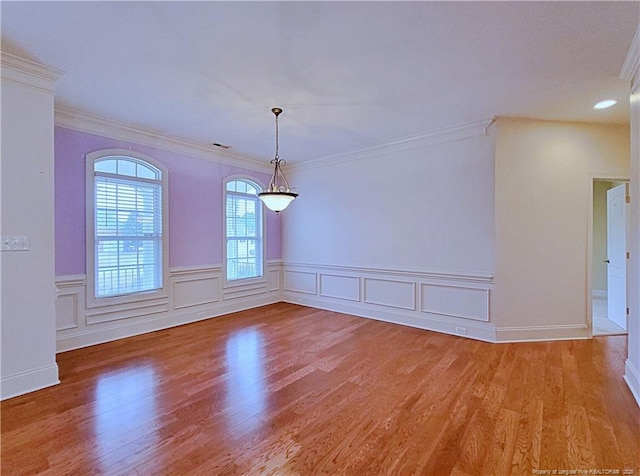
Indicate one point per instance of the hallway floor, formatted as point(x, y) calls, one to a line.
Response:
point(601, 325)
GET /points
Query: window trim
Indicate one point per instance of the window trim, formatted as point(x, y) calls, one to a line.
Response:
point(234, 283)
point(91, 300)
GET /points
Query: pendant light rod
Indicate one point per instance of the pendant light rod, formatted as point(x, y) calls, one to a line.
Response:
point(276, 111)
point(277, 161)
point(277, 197)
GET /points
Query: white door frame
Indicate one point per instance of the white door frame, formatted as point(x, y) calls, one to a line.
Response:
point(595, 177)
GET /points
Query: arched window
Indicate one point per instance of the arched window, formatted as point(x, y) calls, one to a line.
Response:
point(126, 224)
point(243, 230)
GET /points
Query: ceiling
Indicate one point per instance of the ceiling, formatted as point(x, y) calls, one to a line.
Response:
point(349, 75)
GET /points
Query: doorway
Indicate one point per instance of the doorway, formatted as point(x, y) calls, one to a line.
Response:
point(609, 257)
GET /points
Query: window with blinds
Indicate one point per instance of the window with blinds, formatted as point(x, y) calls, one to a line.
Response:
point(128, 228)
point(243, 226)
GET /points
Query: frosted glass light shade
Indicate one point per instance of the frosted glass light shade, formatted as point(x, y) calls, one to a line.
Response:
point(605, 104)
point(277, 201)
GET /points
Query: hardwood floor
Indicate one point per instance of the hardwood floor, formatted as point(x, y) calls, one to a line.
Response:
point(286, 389)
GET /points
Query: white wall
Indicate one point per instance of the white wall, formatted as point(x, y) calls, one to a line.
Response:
point(427, 208)
point(544, 173)
point(415, 236)
point(28, 282)
point(402, 233)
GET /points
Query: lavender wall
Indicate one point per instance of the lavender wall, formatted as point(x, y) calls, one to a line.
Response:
point(195, 202)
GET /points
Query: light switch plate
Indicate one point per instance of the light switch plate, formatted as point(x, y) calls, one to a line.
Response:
point(15, 243)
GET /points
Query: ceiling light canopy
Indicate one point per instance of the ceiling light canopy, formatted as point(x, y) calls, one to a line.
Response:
point(605, 104)
point(278, 195)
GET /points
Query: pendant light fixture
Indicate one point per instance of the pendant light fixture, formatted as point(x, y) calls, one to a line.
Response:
point(278, 195)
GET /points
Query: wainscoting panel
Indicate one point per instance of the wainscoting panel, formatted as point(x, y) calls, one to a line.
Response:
point(452, 303)
point(70, 302)
point(455, 301)
point(126, 311)
point(390, 293)
point(340, 287)
point(66, 311)
point(274, 278)
point(300, 281)
point(195, 293)
point(235, 292)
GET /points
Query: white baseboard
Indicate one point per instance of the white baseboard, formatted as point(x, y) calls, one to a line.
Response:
point(632, 377)
point(542, 333)
point(472, 330)
point(30, 381)
point(452, 303)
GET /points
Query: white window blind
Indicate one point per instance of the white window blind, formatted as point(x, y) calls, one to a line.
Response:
point(128, 227)
point(243, 230)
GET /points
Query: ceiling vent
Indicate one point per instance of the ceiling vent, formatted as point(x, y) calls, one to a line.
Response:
point(221, 146)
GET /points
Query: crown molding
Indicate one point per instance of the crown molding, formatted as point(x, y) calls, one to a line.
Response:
point(631, 68)
point(84, 122)
point(29, 73)
point(440, 136)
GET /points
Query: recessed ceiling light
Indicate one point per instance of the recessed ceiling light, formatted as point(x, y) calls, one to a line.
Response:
point(605, 104)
